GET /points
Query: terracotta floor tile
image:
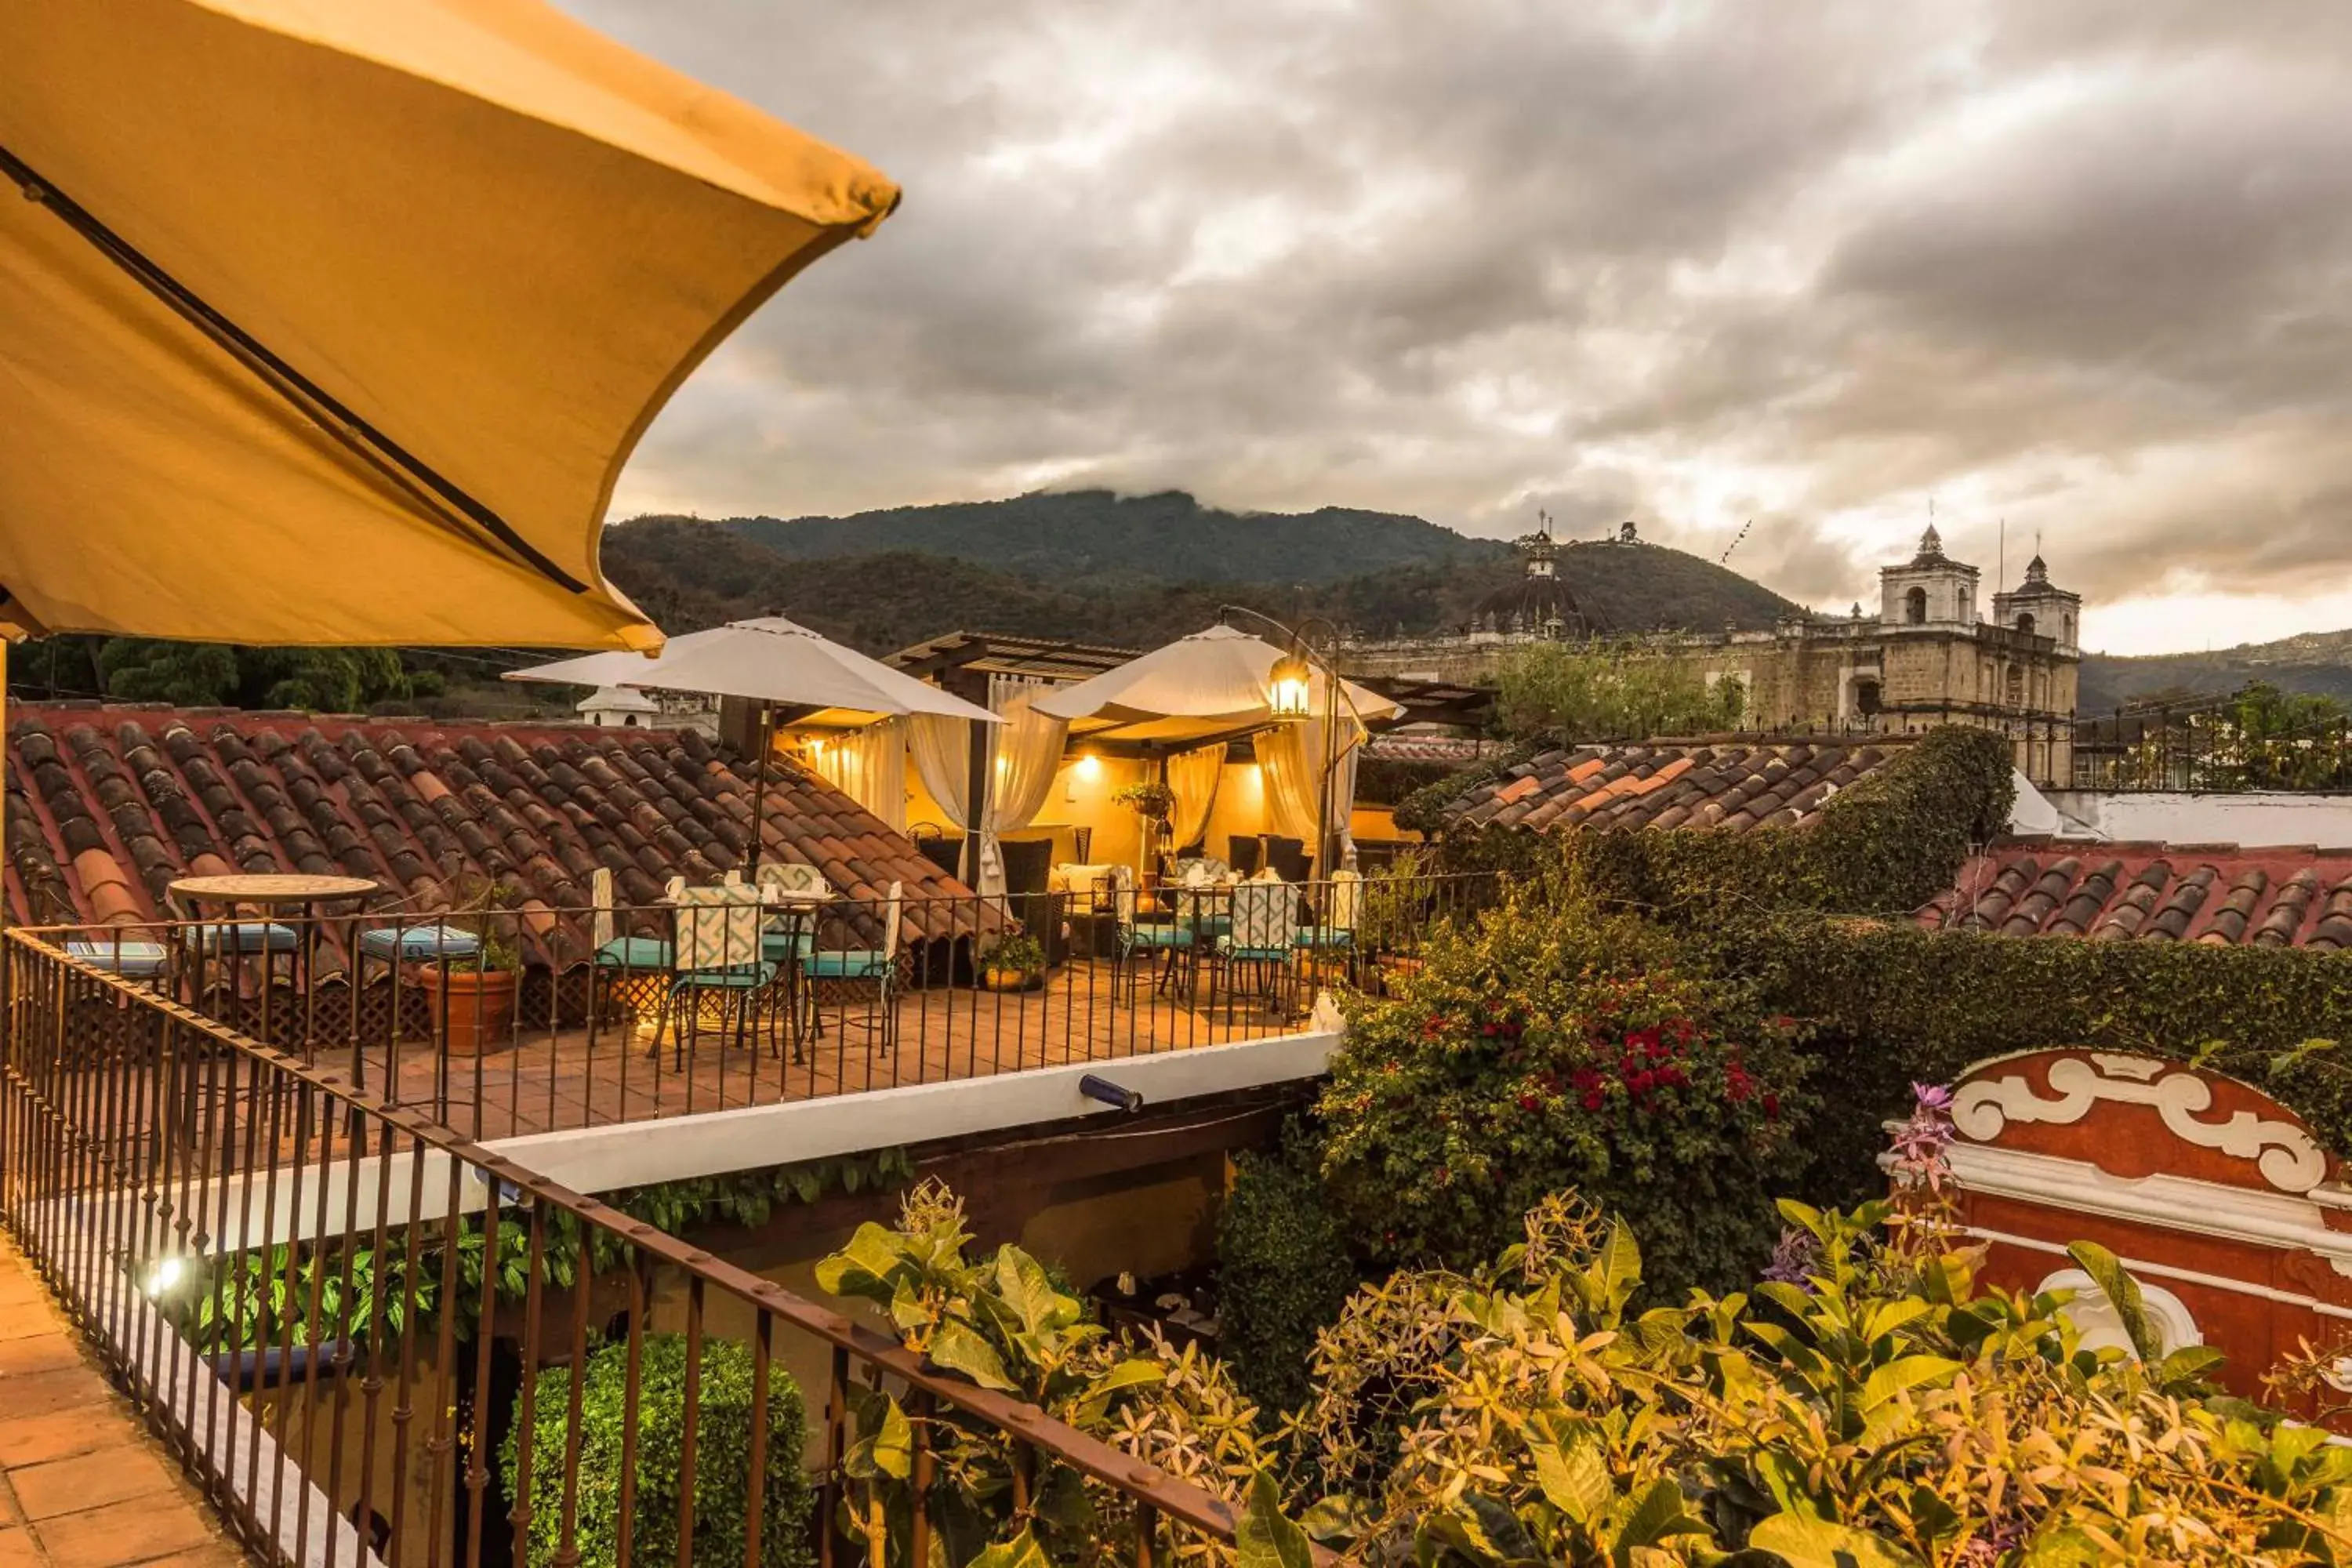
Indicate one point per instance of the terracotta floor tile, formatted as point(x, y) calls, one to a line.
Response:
point(125, 1532)
point(32, 1440)
point(222, 1554)
point(38, 1353)
point(16, 1551)
point(27, 1319)
point(66, 1388)
point(90, 1481)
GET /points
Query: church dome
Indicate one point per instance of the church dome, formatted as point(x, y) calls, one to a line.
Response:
point(1532, 605)
point(1539, 602)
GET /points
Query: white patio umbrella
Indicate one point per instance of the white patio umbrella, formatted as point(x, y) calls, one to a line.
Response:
point(1216, 682)
point(771, 661)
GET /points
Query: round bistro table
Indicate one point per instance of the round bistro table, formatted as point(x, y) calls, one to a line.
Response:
point(270, 894)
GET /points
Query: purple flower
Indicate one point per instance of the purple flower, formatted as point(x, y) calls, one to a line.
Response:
point(1935, 1097)
point(1795, 1258)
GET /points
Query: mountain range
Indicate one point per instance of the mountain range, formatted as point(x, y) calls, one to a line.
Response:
point(1133, 571)
point(2318, 663)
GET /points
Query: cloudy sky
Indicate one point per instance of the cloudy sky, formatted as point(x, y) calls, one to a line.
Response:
point(2083, 264)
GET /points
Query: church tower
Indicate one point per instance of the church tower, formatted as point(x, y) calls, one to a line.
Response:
point(1929, 590)
point(2040, 608)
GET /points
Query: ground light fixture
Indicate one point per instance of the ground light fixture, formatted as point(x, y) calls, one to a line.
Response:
point(1117, 1096)
point(164, 1275)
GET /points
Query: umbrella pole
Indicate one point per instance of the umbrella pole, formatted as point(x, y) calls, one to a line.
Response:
point(767, 744)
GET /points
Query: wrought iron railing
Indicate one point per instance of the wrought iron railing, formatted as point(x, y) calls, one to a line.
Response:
point(601, 1019)
point(2231, 744)
point(312, 1296)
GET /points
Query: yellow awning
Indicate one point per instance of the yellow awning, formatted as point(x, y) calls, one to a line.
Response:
point(334, 323)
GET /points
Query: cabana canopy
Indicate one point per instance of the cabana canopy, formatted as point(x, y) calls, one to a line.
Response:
point(335, 324)
point(1218, 682)
point(768, 660)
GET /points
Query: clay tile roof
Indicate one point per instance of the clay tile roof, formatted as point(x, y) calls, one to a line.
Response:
point(107, 807)
point(2218, 895)
point(1737, 785)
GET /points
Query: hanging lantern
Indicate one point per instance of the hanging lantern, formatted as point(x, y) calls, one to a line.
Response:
point(1292, 697)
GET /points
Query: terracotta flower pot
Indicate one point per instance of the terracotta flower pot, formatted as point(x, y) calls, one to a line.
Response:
point(1011, 978)
point(479, 1006)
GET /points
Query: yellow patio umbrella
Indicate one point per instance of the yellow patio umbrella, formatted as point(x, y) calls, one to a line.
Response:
point(333, 322)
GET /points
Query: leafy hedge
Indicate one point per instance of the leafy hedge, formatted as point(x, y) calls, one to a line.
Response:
point(1283, 1270)
point(1889, 843)
point(722, 1460)
point(1890, 1002)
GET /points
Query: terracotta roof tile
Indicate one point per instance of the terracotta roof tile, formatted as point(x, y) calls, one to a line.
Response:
point(107, 807)
point(1736, 785)
point(2215, 895)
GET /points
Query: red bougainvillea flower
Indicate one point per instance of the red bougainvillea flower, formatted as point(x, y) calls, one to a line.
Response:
point(1771, 1105)
point(1592, 1099)
point(1529, 1102)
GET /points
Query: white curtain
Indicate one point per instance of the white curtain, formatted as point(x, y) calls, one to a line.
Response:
point(941, 748)
point(870, 766)
point(1192, 778)
point(1028, 747)
point(1025, 750)
point(1290, 757)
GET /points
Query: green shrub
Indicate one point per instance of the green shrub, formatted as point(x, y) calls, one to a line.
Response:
point(1283, 1270)
point(722, 1458)
point(1888, 1002)
point(1552, 1046)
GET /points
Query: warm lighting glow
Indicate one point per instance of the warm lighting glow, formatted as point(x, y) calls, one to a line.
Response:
point(816, 745)
point(165, 1277)
point(1292, 691)
point(1087, 768)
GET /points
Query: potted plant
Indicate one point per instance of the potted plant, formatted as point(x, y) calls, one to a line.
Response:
point(473, 998)
point(1012, 963)
point(1153, 803)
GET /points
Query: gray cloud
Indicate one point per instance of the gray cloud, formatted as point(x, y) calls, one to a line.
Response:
point(2087, 268)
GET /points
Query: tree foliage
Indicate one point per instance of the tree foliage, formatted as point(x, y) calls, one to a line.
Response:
point(1284, 1267)
point(207, 675)
point(1609, 691)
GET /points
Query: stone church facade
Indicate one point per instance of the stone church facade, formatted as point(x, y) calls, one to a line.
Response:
point(1931, 655)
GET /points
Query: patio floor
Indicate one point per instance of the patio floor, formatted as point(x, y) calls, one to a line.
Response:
point(551, 1081)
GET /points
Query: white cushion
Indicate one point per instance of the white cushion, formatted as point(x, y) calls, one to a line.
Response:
point(1070, 877)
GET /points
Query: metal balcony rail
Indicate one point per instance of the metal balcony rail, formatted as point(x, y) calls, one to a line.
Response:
point(499, 1023)
point(2223, 745)
point(324, 1304)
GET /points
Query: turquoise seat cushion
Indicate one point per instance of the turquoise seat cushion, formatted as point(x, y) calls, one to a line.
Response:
point(633, 952)
point(1326, 936)
point(250, 936)
point(777, 946)
point(847, 965)
point(418, 944)
point(1149, 934)
point(1258, 954)
point(733, 977)
point(131, 959)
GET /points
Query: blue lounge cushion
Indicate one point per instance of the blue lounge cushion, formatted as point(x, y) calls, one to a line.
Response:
point(1326, 936)
point(733, 977)
point(419, 944)
point(131, 959)
point(1259, 954)
point(777, 946)
point(847, 965)
point(1150, 934)
point(633, 952)
point(250, 936)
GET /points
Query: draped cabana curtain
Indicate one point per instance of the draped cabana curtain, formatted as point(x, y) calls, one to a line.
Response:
point(1192, 778)
point(1028, 754)
point(1291, 758)
point(870, 766)
point(1026, 751)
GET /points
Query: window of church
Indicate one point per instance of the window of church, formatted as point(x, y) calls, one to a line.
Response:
point(1915, 607)
point(2025, 624)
